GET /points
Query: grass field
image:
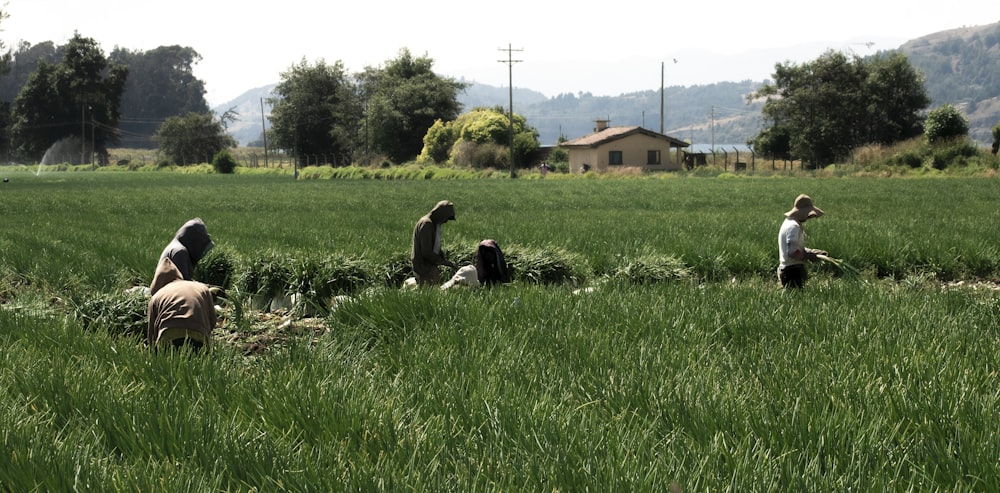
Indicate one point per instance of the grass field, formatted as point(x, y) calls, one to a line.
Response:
point(708, 378)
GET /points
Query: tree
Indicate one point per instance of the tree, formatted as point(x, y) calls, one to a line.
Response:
point(473, 138)
point(78, 98)
point(161, 83)
point(945, 123)
point(996, 138)
point(834, 104)
point(315, 112)
point(192, 138)
point(403, 100)
point(774, 141)
point(23, 63)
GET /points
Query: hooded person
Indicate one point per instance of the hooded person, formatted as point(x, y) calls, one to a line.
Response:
point(190, 244)
point(180, 311)
point(491, 266)
point(792, 251)
point(426, 254)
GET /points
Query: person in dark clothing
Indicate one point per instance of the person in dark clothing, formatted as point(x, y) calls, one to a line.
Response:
point(190, 244)
point(491, 266)
point(426, 254)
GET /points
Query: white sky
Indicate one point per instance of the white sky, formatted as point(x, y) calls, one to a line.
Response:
point(247, 44)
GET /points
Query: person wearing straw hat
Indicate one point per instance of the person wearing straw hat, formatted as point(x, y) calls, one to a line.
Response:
point(792, 251)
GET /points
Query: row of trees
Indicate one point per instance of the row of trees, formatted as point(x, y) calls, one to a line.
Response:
point(158, 84)
point(383, 113)
point(75, 95)
point(822, 110)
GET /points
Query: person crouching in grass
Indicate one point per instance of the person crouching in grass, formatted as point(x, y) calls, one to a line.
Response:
point(180, 312)
point(792, 251)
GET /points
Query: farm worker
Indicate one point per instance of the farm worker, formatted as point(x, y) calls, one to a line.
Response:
point(189, 245)
point(792, 249)
point(426, 254)
point(180, 311)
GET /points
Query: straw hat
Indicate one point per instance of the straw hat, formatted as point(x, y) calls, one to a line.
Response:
point(804, 209)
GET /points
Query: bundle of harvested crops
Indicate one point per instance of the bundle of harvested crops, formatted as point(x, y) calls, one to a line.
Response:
point(844, 267)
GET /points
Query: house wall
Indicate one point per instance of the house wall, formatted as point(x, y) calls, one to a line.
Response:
point(634, 149)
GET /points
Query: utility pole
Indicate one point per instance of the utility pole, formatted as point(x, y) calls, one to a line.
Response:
point(661, 96)
point(263, 130)
point(510, 86)
point(83, 133)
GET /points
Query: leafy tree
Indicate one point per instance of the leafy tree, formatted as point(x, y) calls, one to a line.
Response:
point(403, 100)
point(315, 112)
point(836, 103)
point(192, 138)
point(161, 83)
point(77, 97)
point(22, 64)
point(437, 143)
point(774, 141)
point(482, 127)
point(945, 123)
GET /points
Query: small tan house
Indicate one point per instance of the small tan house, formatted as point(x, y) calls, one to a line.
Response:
point(618, 147)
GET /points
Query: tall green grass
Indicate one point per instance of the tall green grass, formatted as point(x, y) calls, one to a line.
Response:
point(726, 386)
point(685, 366)
point(79, 230)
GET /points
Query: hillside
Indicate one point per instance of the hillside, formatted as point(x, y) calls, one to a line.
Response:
point(961, 67)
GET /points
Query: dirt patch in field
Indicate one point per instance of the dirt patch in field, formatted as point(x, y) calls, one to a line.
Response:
point(269, 330)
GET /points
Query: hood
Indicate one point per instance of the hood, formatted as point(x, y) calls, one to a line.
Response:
point(194, 236)
point(443, 212)
point(166, 273)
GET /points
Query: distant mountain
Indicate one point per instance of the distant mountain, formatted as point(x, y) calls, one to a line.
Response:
point(961, 67)
point(249, 108)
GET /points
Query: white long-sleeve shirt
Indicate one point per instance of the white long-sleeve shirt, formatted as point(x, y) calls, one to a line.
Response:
point(791, 239)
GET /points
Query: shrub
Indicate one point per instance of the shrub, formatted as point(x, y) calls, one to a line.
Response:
point(486, 155)
point(951, 153)
point(945, 123)
point(224, 162)
point(910, 157)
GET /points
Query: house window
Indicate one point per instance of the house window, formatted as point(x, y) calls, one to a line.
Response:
point(615, 157)
point(653, 157)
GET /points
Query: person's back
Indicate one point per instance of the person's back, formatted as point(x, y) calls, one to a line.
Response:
point(491, 264)
point(179, 311)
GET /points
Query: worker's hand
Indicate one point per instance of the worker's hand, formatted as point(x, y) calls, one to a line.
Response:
point(217, 291)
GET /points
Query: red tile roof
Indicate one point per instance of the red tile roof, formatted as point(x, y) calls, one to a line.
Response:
point(614, 133)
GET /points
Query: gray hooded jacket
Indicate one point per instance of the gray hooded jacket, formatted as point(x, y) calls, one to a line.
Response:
point(190, 244)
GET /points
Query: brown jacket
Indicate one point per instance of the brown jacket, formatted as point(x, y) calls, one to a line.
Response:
point(177, 303)
point(424, 257)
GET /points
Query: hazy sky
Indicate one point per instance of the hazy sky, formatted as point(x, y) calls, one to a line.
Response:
point(247, 44)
